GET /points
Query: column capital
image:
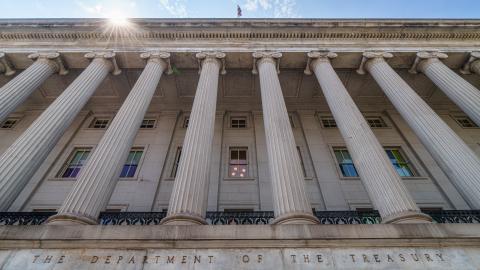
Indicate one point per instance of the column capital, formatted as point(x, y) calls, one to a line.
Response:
point(421, 58)
point(52, 58)
point(317, 55)
point(217, 57)
point(6, 66)
point(109, 57)
point(162, 58)
point(368, 56)
point(474, 56)
point(273, 57)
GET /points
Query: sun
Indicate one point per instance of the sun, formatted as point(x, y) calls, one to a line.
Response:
point(118, 19)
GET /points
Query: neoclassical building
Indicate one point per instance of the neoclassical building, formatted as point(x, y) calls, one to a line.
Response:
point(239, 144)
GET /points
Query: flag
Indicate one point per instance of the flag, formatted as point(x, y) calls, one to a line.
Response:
point(239, 11)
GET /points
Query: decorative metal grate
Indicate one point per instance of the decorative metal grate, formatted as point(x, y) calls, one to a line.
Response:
point(131, 218)
point(348, 217)
point(240, 218)
point(455, 216)
point(24, 218)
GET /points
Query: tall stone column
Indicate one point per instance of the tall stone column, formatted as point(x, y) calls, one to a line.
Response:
point(20, 161)
point(461, 92)
point(472, 64)
point(96, 182)
point(290, 201)
point(188, 202)
point(384, 186)
point(456, 159)
point(16, 91)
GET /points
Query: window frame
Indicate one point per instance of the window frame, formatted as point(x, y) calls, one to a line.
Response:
point(175, 162)
point(149, 119)
point(248, 175)
point(417, 171)
point(185, 121)
point(339, 170)
point(66, 164)
point(16, 119)
point(458, 118)
point(323, 118)
point(91, 125)
point(303, 166)
point(291, 118)
point(139, 165)
point(238, 118)
point(408, 162)
point(371, 117)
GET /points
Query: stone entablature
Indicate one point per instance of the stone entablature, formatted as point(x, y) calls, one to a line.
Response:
point(244, 29)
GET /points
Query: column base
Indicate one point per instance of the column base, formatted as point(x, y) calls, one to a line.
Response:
point(296, 218)
point(407, 217)
point(183, 219)
point(70, 219)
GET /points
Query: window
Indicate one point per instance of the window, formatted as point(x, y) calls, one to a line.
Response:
point(99, 123)
point(75, 163)
point(328, 122)
point(148, 123)
point(186, 120)
point(238, 164)
point(290, 117)
point(402, 165)
point(9, 123)
point(176, 162)
point(132, 162)
point(238, 122)
point(301, 161)
point(465, 122)
point(345, 162)
point(375, 121)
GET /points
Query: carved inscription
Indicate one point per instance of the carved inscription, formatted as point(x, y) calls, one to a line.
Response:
point(179, 258)
point(234, 258)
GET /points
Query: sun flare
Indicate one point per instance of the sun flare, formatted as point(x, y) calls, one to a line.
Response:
point(118, 19)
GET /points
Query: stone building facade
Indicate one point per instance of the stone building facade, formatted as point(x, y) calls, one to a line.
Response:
point(282, 119)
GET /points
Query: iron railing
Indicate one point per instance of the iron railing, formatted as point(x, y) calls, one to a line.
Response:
point(240, 218)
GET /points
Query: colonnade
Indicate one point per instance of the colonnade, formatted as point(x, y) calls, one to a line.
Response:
point(97, 179)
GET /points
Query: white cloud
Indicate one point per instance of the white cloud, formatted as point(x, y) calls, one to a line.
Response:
point(252, 5)
point(280, 8)
point(285, 9)
point(176, 8)
point(96, 10)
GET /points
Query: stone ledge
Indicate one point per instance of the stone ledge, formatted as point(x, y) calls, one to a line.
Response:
point(252, 236)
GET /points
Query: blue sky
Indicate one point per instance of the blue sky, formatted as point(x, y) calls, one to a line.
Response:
point(250, 8)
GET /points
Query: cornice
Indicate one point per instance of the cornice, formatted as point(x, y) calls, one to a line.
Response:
point(234, 29)
point(267, 35)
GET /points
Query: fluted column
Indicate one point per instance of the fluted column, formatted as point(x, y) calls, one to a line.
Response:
point(456, 159)
point(97, 179)
point(20, 161)
point(290, 201)
point(188, 202)
point(384, 186)
point(17, 90)
point(461, 92)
